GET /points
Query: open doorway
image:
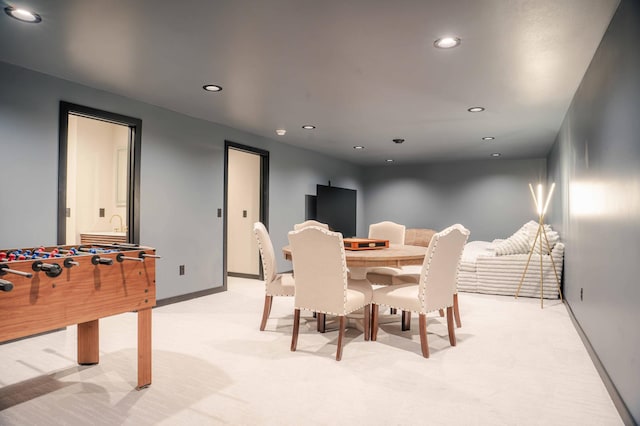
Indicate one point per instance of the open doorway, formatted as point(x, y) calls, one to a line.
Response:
point(99, 176)
point(246, 202)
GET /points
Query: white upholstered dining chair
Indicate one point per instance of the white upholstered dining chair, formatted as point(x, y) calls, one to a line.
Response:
point(310, 222)
point(322, 284)
point(387, 230)
point(435, 288)
point(393, 232)
point(275, 284)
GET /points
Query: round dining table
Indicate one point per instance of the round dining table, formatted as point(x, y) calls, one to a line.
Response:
point(395, 256)
point(360, 261)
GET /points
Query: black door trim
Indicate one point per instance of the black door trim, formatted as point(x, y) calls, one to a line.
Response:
point(133, 204)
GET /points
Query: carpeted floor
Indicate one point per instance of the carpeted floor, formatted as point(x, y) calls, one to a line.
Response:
point(515, 364)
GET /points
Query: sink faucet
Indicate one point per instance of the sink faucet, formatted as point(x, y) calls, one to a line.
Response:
point(120, 229)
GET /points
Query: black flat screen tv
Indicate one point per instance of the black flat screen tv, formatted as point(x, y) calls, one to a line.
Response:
point(337, 208)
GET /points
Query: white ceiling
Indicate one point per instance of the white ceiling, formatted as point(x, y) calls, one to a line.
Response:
point(363, 71)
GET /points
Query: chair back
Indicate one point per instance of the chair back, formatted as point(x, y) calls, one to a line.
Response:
point(267, 254)
point(439, 276)
point(319, 265)
point(310, 222)
point(387, 230)
point(418, 236)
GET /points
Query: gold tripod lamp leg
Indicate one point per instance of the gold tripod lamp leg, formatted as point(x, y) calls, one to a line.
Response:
point(553, 263)
point(542, 210)
point(540, 232)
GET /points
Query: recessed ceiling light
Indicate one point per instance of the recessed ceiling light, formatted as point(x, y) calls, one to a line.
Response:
point(281, 132)
point(476, 109)
point(358, 147)
point(389, 160)
point(447, 42)
point(308, 127)
point(399, 140)
point(212, 87)
point(496, 154)
point(488, 138)
point(22, 15)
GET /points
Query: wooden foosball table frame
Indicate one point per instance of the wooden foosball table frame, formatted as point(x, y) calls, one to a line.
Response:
point(89, 287)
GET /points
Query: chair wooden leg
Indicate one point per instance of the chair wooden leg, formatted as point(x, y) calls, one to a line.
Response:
point(423, 335)
point(367, 322)
point(456, 310)
point(406, 320)
point(296, 329)
point(441, 311)
point(452, 330)
point(374, 321)
point(341, 337)
point(321, 320)
point(268, 300)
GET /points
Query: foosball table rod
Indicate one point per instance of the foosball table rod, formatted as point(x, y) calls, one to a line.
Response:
point(154, 256)
point(120, 257)
point(4, 269)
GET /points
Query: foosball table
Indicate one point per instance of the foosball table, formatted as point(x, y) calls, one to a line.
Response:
point(48, 288)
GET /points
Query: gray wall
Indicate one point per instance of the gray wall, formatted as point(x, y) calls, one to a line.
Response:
point(182, 175)
point(491, 198)
point(294, 175)
point(597, 161)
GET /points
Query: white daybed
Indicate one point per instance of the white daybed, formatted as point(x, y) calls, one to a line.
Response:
point(496, 267)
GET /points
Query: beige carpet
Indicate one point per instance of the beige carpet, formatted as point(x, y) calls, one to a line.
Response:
point(515, 364)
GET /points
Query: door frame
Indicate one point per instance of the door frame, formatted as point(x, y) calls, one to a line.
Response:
point(135, 148)
point(264, 197)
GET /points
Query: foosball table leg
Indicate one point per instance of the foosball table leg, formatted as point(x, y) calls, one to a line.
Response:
point(144, 348)
point(89, 342)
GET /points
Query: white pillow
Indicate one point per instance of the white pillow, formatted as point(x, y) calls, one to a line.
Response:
point(531, 228)
point(521, 242)
point(552, 236)
point(518, 243)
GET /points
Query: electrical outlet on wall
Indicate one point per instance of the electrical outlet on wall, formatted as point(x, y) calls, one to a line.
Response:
point(181, 270)
point(101, 212)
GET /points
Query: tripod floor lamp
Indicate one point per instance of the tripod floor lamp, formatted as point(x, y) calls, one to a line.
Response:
point(541, 208)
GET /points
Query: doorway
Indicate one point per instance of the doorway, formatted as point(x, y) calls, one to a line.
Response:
point(246, 202)
point(99, 176)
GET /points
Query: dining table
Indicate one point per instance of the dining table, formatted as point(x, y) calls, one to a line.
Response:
point(361, 261)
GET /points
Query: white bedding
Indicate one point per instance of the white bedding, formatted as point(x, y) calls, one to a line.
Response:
point(481, 271)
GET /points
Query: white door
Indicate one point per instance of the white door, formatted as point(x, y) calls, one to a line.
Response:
point(243, 210)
